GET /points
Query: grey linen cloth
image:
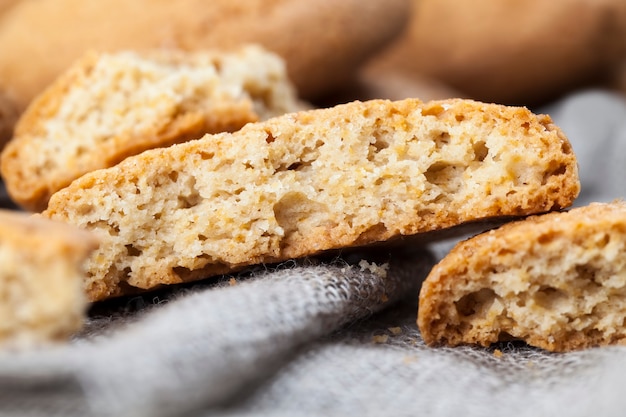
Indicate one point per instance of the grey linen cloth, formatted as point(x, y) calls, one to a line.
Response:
point(331, 337)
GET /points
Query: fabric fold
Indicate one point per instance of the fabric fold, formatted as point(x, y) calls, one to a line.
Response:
point(203, 348)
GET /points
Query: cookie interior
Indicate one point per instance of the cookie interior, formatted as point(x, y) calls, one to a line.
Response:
point(308, 182)
point(556, 281)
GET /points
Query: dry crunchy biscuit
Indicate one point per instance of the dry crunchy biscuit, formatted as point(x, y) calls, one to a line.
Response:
point(306, 182)
point(323, 42)
point(111, 105)
point(41, 279)
point(556, 281)
point(512, 51)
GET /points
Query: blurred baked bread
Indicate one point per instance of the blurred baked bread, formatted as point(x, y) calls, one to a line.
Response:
point(512, 52)
point(108, 106)
point(8, 116)
point(41, 279)
point(323, 42)
point(393, 84)
point(306, 182)
point(556, 281)
point(6, 5)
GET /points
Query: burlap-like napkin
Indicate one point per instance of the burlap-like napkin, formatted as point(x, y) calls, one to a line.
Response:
point(323, 338)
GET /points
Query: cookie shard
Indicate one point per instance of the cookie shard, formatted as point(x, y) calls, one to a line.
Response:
point(307, 182)
point(42, 297)
point(108, 106)
point(556, 281)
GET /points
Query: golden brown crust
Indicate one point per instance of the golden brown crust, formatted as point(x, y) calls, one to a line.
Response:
point(307, 182)
point(41, 282)
point(556, 281)
point(323, 44)
point(107, 107)
point(6, 5)
point(521, 52)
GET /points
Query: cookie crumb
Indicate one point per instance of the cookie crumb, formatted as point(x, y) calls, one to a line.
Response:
point(380, 270)
point(379, 339)
point(498, 353)
point(395, 330)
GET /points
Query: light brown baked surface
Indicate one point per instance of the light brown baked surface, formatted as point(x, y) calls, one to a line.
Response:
point(5, 5)
point(556, 281)
point(41, 279)
point(109, 106)
point(306, 182)
point(511, 52)
point(323, 42)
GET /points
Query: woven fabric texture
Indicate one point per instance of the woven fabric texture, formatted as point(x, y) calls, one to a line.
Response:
point(331, 337)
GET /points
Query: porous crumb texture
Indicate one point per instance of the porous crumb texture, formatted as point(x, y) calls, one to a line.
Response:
point(306, 182)
point(41, 280)
point(108, 106)
point(556, 281)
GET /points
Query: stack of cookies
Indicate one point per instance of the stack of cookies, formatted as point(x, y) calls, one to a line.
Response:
point(172, 151)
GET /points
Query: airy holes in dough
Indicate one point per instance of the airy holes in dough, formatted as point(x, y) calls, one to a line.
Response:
point(190, 197)
point(112, 228)
point(553, 171)
point(480, 151)
point(475, 303)
point(85, 209)
point(131, 250)
point(294, 166)
point(441, 139)
point(549, 298)
point(295, 211)
point(446, 176)
point(380, 140)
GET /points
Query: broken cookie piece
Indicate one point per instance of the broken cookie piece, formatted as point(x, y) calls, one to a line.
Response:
point(556, 281)
point(109, 106)
point(41, 279)
point(308, 182)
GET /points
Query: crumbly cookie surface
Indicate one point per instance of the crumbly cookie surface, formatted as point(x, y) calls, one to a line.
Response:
point(41, 280)
point(306, 182)
point(108, 106)
point(556, 281)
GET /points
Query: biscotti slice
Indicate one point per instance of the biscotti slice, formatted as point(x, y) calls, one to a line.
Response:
point(306, 182)
point(41, 279)
point(556, 281)
point(108, 106)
